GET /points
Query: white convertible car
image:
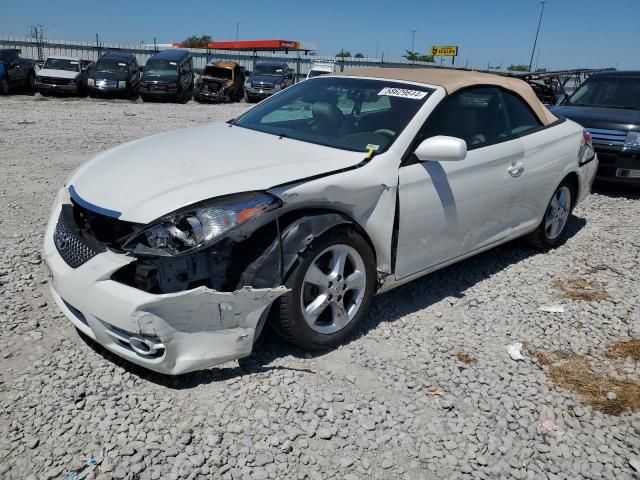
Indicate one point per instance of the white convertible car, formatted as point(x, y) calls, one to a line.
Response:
point(173, 251)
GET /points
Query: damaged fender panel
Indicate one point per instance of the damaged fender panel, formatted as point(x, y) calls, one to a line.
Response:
point(272, 267)
point(366, 194)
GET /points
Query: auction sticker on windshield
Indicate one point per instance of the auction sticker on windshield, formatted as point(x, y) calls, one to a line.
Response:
point(403, 93)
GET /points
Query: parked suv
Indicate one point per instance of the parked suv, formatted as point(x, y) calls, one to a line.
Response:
point(220, 82)
point(266, 79)
point(116, 73)
point(168, 75)
point(15, 71)
point(63, 74)
point(608, 105)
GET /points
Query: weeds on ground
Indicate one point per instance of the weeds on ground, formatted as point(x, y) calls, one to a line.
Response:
point(581, 289)
point(465, 358)
point(623, 350)
point(574, 372)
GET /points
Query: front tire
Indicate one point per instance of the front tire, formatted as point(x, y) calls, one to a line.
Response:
point(4, 86)
point(552, 231)
point(331, 290)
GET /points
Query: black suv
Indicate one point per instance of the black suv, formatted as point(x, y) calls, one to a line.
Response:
point(608, 105)
point(168, 75)
point(266, 79)
point(15, 71)
point(115, 74)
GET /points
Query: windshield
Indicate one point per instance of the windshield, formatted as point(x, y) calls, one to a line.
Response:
point(160, 68)
point(346, 113)
point(218, 72)
point(317, 73)
point(268, 70)
point(612, 92)
point(62, 64)
point(111, 66)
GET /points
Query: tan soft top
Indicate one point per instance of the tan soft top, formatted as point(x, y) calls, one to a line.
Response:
point(454, 80)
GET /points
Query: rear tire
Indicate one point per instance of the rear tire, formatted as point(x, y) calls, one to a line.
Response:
point(552, 231)
point(336, 274)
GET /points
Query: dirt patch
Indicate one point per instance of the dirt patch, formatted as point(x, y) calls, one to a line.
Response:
point(601, 392)
point(623, 350)
point(465, 358)
point(581, 289)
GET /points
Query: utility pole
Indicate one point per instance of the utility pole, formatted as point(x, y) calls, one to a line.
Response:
point(377, 45)
point(413, 37)
point(535, 42)
point(537, 59)
point(237, 30)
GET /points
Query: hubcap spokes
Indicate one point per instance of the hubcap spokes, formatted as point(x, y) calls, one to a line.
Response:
point(333, 288)
point(558, 213)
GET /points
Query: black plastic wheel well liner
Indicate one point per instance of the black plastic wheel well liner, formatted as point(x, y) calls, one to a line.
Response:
point(297, 230)
point(573, 180)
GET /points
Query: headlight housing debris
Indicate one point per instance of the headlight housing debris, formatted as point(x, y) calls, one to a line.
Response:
point(200, 225)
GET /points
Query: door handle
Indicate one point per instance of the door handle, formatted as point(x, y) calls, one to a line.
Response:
point(516, 169)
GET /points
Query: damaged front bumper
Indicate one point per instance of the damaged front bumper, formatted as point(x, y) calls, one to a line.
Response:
point(170, 333)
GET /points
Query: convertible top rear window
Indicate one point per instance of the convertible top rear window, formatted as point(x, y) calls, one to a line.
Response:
point(345, 113)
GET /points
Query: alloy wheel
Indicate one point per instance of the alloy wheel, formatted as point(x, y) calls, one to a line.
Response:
point(333, 289)
point(558, 213)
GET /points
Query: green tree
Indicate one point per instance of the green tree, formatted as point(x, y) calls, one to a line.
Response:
point(518, 68)
point(358, 55)
point(195, 41)
point(343, 54)
point(413, 56)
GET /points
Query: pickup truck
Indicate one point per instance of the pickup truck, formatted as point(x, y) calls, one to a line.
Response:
point(63, 75)
point(15, 71)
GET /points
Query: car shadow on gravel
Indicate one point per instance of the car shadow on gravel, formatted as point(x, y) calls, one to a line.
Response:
point(630, 192)
point(451, 281)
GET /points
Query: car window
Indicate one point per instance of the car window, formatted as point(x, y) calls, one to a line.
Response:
point(352, 114)
point(521, 118)
point(476, 115)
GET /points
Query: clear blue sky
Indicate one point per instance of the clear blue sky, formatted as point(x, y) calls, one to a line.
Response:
point(575, 33)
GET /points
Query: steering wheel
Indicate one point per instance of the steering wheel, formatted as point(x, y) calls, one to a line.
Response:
point(386, 132)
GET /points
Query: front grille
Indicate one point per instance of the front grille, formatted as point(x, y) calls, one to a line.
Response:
point(55, 81)
point(72, 246)
point(260, 86)
point(610, 139)
point(107, 230)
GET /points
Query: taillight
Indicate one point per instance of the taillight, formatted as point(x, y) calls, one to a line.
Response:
point(586, 136)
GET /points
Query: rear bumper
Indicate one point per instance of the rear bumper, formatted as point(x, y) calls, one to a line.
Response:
point(619, 167)
point(169, 333)
point(587, 177)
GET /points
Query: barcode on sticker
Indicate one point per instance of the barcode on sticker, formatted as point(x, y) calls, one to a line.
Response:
point(403, 93)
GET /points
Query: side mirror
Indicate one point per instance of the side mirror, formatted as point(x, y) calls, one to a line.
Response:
point(561, 98)
point(441, 149)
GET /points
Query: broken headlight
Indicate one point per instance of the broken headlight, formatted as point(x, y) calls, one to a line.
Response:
point(201, 225)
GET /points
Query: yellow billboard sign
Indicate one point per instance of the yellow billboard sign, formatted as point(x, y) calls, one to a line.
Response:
point(448, 51)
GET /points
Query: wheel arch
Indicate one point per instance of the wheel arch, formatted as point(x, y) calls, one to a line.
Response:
point(573, 180)
point(297, 229)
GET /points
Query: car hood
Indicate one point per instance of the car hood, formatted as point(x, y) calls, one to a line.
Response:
point(53, 73)
point(148, 178)
point(598, 117)
point(108, 75)
point(270, 79)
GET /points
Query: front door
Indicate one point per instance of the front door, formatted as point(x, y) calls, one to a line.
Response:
point(448, 209)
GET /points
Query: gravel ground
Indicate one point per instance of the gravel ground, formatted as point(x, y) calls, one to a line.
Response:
point(425, 389)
